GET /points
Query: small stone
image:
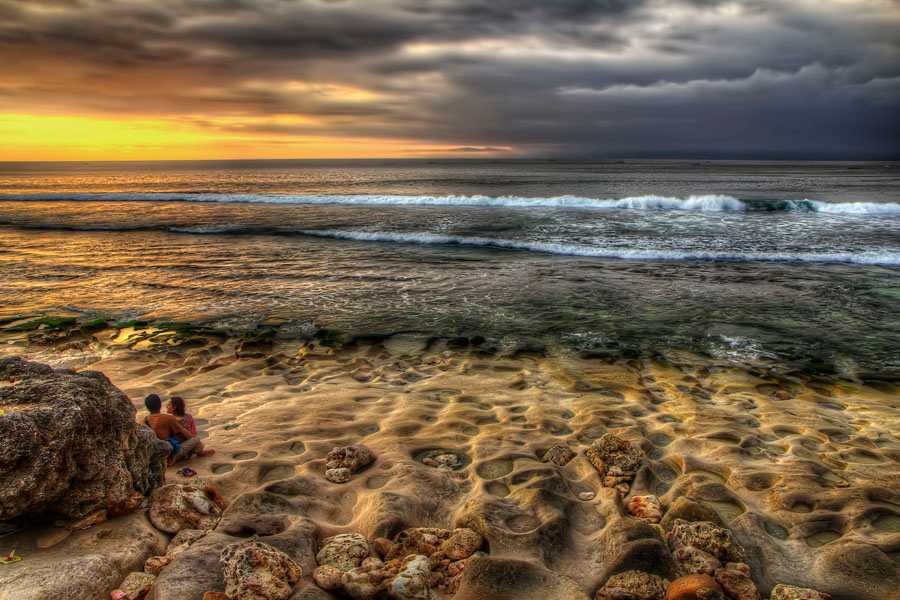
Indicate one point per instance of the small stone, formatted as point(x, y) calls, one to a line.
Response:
point(694, 561)
point(52, 537)
point(586, 496)
point(614, 457)
point(327, 577)
point(790, 592)
point(382, 546)
point(365, 581)
point(418, 540)
point(344, 551)
point(706, 536)
point(414, 581)
point(735, 579)
point(178, 506)
point(349, 457)
point(137, 585)
point(257, 571)
point(646, 508)
point(633, 585)
point(694, 587)
point(447, 461)
point(155, 564)
point(339, 475)
point(461, 544)
point(559, 455)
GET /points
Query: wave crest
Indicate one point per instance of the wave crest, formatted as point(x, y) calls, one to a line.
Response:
point(703, 202)
point(887, 258)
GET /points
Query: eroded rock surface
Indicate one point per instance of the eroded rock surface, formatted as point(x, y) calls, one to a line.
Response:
point(633, 585)
point(789, 592)
point(616, 459)
point(343, 461)
point(559, 455)
point(257, 571)
point(69, 444)
point(177, 506)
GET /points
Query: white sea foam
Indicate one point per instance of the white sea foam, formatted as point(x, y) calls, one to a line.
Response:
point(886, 257)
point(706, 202)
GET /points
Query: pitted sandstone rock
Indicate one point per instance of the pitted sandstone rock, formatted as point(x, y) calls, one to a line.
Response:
point(178, 506)
point(633, 585)
point(69, 443)
point(344, 551)
point(257, 571)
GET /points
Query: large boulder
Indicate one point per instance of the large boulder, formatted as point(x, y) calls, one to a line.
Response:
point(69, 444)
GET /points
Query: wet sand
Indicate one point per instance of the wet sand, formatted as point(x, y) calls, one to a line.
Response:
point(804, 470)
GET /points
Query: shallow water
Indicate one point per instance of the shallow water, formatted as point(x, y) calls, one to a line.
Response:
point(759, 263)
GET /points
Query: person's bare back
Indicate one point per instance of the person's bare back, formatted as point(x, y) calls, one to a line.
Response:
point(165, 426)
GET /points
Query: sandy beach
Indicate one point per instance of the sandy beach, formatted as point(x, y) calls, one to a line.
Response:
point(804, 471)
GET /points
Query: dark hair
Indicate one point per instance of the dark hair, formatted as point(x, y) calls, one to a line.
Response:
point(178, 405)
point(153, 403)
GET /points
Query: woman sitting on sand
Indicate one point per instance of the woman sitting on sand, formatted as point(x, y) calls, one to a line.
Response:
point(178, 408)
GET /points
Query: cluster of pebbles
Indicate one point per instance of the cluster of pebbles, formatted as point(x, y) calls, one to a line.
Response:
point(342, 462)
point(418, 563)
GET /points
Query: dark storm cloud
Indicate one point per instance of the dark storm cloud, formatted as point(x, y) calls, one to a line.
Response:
point(571, 77)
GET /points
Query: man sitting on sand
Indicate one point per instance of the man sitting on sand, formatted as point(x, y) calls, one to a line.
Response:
point(169, 429)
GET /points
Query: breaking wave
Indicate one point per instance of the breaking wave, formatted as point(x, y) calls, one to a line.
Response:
point(709, 202)
point(886, 257)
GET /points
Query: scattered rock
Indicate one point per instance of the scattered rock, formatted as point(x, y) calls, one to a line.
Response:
point(343, 461)
point(633, 585)
point(462, 544)
point(735, 579)
point(328, 577)
point(586, 496)
point(178, 506)
point(616, 459)
point(339, 475)
point(694, 561)
point(447, 461)
point(382, 546)
point(705, 536)
point(344, 551)
point(414, 581)
point(559, 455)
point(694, 587)
point(69, 443)
point(365, 581)
point(257, 571)
point(789, 592)
point(646, 508)
point(136, 585)
point(419, 540)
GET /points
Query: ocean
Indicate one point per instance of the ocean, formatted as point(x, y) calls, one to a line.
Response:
point(786, 265)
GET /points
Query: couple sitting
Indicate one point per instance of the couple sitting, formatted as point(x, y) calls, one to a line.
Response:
point(176, 428)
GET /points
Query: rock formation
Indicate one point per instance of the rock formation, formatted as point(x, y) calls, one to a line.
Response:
point(69, 444)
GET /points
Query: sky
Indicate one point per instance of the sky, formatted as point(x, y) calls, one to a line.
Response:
point(197, 79)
